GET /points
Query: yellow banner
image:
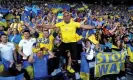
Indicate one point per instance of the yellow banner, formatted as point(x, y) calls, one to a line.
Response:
point(109, 63)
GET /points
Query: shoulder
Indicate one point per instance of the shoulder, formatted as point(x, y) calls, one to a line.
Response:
point(32, 39)
point(73, 22)
point(21, 41)
point(76, 24)
point(10, 44)
point(59, 24)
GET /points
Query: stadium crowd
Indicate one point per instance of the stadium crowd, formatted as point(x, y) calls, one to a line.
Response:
point(45, 40)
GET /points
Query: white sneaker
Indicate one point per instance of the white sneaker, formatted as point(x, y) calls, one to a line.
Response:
point(55, 72)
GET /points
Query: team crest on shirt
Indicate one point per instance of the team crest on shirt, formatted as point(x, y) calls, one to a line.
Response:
point(24, 42)
point(39, 40)
point(43, 40)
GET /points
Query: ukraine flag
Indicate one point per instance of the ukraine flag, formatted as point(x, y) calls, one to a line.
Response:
point(3, 23)
point(84, 68)
point(85, 6)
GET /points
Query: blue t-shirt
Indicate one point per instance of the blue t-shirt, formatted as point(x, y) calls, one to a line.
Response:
point(40, 67)
point(16, 39)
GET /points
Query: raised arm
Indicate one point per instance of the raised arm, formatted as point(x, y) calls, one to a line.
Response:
point(51, 55)
point(112, 30)
point(29, 27)
point(90, 27)
point(49, 26)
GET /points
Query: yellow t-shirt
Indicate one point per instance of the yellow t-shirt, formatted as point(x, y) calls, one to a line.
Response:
point(78, 37)
point(49, 45)
point(68, 31)
point(40, 35)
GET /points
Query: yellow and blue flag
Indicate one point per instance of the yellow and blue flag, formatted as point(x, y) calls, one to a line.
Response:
point(85, 6)
point(84, 68)
point(9, 16)
point(3, 23)
point(109, 63)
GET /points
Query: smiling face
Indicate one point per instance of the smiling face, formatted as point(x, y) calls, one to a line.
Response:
point(26, 35)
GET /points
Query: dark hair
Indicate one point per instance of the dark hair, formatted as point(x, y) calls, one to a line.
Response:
point(3, 35)
point(26, 31)
point(41, 49)
point(45, 30)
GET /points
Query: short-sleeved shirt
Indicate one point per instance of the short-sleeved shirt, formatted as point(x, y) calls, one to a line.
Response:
point(40, 66)
point(6, 51)
point(47, 43)
point(68, 31)
point(27, 46)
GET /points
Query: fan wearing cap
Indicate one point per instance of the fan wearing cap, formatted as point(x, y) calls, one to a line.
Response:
point(68, 34)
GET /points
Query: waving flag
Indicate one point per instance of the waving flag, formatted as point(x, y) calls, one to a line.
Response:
point(27, 8)
point(84, 69)
point(35, 10)
point(4, 11)
point(92, 38)
point(85, 6)
point(9, 16)
point(3, 23)
point(55, 10)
